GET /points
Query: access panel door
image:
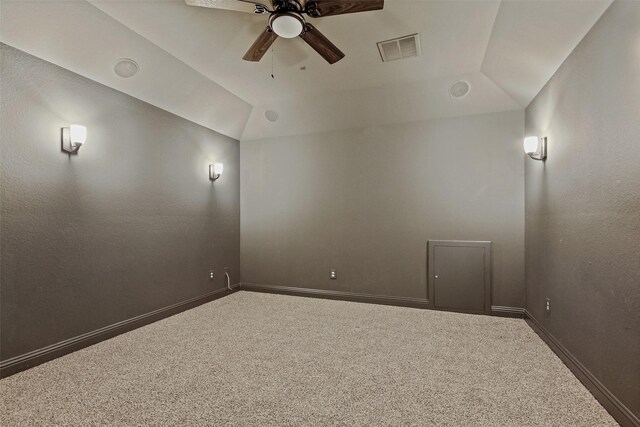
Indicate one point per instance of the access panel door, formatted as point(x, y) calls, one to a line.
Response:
point(460, 275)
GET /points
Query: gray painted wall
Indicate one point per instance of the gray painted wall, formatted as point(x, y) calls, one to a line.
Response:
point(366, 201)
point(129, 225)
point(583, 203)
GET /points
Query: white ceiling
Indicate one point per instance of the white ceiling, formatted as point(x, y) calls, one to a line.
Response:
point(81, 38)
point(190, 58)
point(394, 103)
point(530, 40)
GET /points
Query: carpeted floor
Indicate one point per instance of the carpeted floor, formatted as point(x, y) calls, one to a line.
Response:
point(260, 359)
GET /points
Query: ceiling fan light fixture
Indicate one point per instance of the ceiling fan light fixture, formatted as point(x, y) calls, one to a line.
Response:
point(287, 24)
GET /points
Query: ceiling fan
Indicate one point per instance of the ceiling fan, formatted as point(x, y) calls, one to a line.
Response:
point(286, 19)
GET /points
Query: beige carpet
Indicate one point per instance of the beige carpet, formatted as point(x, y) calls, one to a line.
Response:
point(259, 359)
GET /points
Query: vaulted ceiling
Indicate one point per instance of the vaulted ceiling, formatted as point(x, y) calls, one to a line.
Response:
point(191, 58)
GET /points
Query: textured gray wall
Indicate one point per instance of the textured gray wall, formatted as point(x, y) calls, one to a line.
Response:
point(366, 201)
point(129, 225)
point(583, 203)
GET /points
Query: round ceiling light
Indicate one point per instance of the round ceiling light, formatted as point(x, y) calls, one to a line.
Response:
point(459, 89)
point(287, 24)
point(271, 115)
point(126, 68)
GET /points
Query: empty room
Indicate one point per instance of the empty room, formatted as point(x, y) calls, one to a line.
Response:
point(320, 212)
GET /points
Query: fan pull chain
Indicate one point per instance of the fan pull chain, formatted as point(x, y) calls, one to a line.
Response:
point(272, 76)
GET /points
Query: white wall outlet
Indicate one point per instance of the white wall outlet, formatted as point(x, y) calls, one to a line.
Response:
point(333, 275)
point(211, 274)
point(548, 306)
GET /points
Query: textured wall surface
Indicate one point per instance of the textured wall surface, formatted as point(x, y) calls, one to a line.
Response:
point(366, 201)
point(583, 203)
point(129, 225)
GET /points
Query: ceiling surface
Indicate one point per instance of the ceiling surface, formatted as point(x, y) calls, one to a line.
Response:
point(191, 58)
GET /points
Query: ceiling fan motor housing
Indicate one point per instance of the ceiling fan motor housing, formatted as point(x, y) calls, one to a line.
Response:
point(282, 5)
point(312, 9)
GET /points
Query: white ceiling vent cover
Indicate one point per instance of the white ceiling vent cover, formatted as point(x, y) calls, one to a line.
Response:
point(400, 48)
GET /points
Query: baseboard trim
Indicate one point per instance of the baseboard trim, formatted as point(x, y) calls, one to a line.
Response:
point(337, 295)
point(611, 403)
point(33, 358)
point(496, 310)
point(504, 311)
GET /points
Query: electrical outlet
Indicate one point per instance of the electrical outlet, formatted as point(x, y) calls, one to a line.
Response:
point(333, 275)
point(548, 306)
point(211, 274)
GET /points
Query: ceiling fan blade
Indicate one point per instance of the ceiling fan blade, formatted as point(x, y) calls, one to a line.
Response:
point(318, 8)
point(236, 5)
point(260, 46)
point(321, 44)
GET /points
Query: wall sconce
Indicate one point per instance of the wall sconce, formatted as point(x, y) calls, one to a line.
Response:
point(73, 137)
point(536, 147)
point(215, 170)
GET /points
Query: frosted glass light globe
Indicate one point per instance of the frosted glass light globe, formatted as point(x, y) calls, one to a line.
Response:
point(287, 26)
point(531, 144)
point(77, 135)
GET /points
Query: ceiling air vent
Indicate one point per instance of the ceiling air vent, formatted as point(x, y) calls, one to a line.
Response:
point(400, 48)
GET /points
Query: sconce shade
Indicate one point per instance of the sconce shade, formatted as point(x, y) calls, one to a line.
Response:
point(536, 147)
point(73, 137)
point(215, 170)
point(530, 144)
point(77, 134)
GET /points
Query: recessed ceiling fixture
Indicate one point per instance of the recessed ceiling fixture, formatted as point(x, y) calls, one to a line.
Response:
point(271, 115)
point(286, 20)
point(126, 68)
point(459, 89)
point(400, 48)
